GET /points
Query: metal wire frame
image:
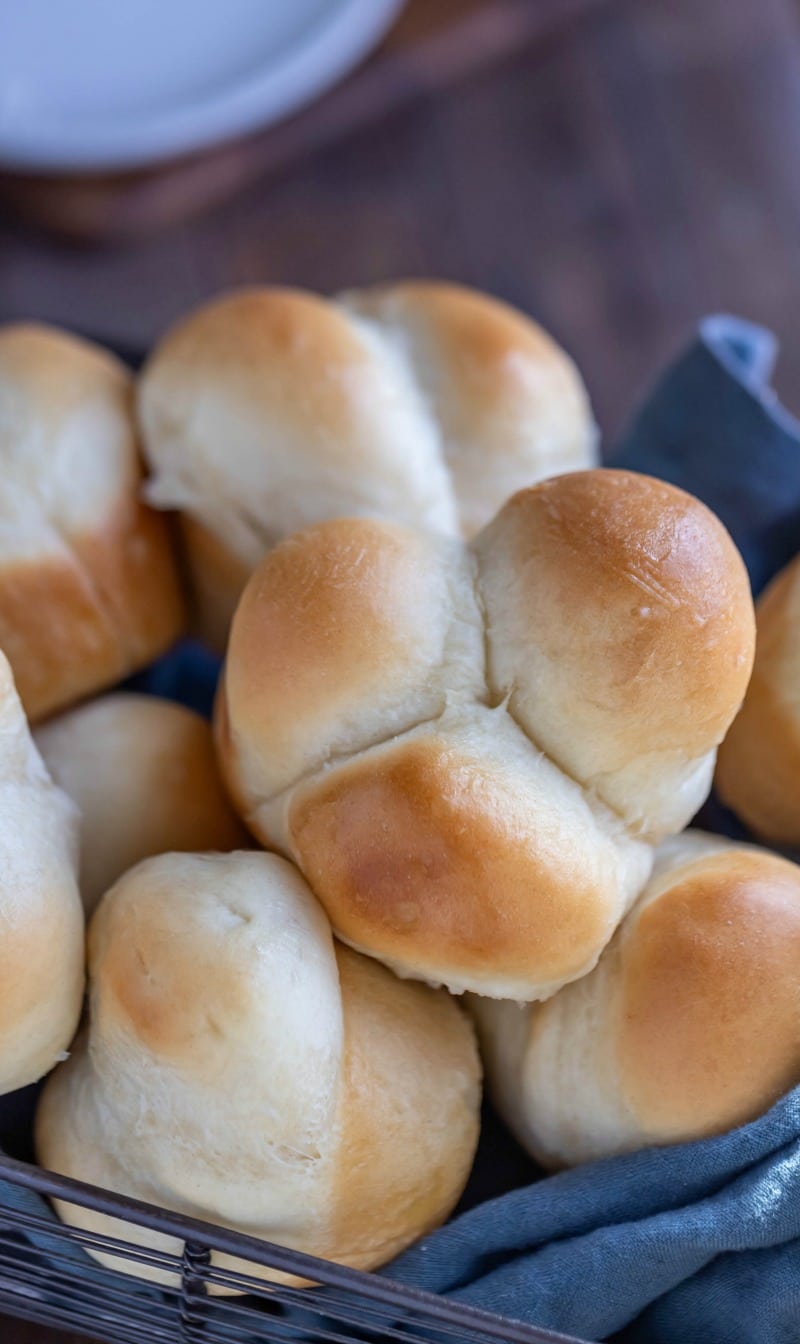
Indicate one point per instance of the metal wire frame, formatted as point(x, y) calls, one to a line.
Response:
point(40, 1280)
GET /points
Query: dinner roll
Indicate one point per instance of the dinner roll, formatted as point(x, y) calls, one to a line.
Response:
point(41, 920)
point(270, 409)
point(759, 762)
point(687, 1027)
point(239, 1066)
point(469, 751)
point(88, 587)
point(144, 775)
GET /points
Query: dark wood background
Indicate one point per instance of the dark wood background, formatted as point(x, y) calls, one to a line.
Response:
point(616, 167)
point(618, 178)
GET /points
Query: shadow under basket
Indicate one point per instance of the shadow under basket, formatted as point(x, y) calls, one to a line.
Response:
point(47, 1275)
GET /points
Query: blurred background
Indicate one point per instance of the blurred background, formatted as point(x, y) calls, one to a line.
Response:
point(615, 167)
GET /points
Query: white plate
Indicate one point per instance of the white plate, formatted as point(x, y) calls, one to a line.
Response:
point(97, 84)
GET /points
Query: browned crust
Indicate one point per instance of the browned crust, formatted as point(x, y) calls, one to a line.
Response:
point(479, 346)
point(711, 996)
point(169, 1013)
point(421, 855)
point(75, 619)
point(337, 622)
point(133, 571)
point(57, 642)
point(478, 330)
point(758, 771)
point(74, 624)
point(503, 394)
point(240, 334)
point(635, 604)
point(326, 615)
point(410, 1100)
point(400, 1129)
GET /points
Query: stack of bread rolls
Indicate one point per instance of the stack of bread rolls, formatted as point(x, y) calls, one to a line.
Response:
point(469, 751)
point(473, 692)
point(270, 409)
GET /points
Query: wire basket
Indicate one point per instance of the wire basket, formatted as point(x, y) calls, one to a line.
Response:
point(46, 1276)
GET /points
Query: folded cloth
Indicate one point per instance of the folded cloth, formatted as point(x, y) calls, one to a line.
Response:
point(188, 674)
point(698, 1242)
point(713, 425)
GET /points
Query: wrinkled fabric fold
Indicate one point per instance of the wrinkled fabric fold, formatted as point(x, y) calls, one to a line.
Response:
point(589, 1250)
point(713, 425)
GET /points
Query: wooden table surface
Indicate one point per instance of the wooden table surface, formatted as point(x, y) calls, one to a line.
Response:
point(633, 170)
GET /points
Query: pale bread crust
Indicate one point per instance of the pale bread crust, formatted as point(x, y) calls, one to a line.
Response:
point(241, 1067)
point(270, 409)
point(144, 776)
point(42, 944)
point(686, 1028)
point(758, 773)
point(88, 585)
point(441, 736)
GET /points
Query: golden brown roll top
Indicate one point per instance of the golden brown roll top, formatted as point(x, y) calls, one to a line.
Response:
point(145, 778)
point(620, 627)
point(395, 716)
point(88, 588)
point(41, 920)
point(509, 405)
point(687, 1027)
point(270, 409)
point(349, 633)
point(241, 1067)
point(459, 855)
point(759, 761)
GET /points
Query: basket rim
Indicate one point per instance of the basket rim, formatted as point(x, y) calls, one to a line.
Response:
point(271, 1255)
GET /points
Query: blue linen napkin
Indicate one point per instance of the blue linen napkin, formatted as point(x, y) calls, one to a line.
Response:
point(698, 1242)
point(714, 426)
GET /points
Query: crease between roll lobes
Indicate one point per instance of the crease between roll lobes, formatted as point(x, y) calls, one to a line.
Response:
point(470, 751)
point(239, 1065)
point(270, 409)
